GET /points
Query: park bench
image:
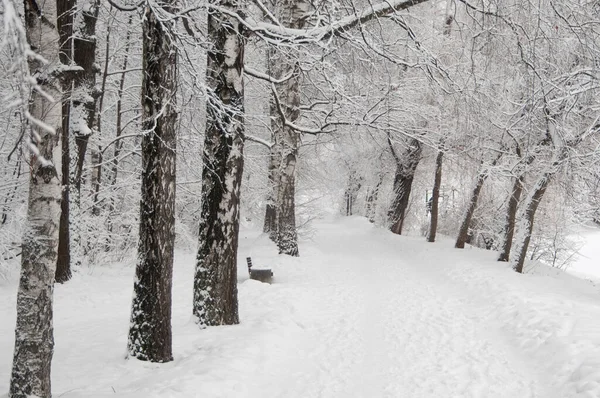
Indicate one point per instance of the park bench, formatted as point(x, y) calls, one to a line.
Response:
point(259, 274)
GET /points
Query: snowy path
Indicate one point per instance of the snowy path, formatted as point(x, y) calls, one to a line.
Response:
point(385, 328)
point(362, 313)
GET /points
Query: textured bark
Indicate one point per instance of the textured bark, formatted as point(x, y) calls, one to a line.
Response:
point(463, 233)
point(527, 218)
point(511, 215)
point(215, 278)
point(406, 165)
point(270, 224)
point(293, 15)
point(435, 197)
point(83, 112)
point(150, 327)
point(65, 9)
point(34, 340)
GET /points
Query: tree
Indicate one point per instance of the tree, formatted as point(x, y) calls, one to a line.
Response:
point(34, 340)
point(65, 10)
point(406, 165)
point(435, 197)
point(215, 277)
point(150, 328)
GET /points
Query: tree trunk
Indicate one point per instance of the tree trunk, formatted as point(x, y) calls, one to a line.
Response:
point(118, 144)
point(34, 340)
point(96, 180)
point(215, 278)
point(65, 10)
point(463, 233)
point(403, 179)
point(150, 327)
point(435, 197)
point(351, 193)
point(511, 215)
point(270, 225)
point(293, 15)
point(82, 113)
point(371, 201)
point(527, 218)
point(96, 155)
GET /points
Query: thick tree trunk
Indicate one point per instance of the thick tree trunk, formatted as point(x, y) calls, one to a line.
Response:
point(403, 179)
point(215, 278)
point(150, 327)
point(34, 340)
point(435, 197)
point(65, 10)
point(526, 220)
point(511, 215)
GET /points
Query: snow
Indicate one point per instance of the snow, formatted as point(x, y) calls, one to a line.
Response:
point(363, 313)
point(587, 264)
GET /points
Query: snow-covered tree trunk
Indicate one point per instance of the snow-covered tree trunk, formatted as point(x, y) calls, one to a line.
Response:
point(292, 14)
point(435, 197)
point(82, 113)
point(34, 338)
point(463, 232)
point(406, 165)
point(215, 278)
point(526, 220)
point(150, 327)
point(270, 224)
point(511, 215)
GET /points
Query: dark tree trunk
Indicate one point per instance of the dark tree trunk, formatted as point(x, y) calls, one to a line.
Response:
point(34, 336)
point(403, 179)
point(215, 278)
point(65, 10)
point(435, 197)
point(511, 215)
point(531, 206)
point(86, 96)
point(150, 327)
point(463, 233)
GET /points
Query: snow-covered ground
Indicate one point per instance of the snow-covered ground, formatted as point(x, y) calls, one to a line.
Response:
point(587, 261)
point(362, 313)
